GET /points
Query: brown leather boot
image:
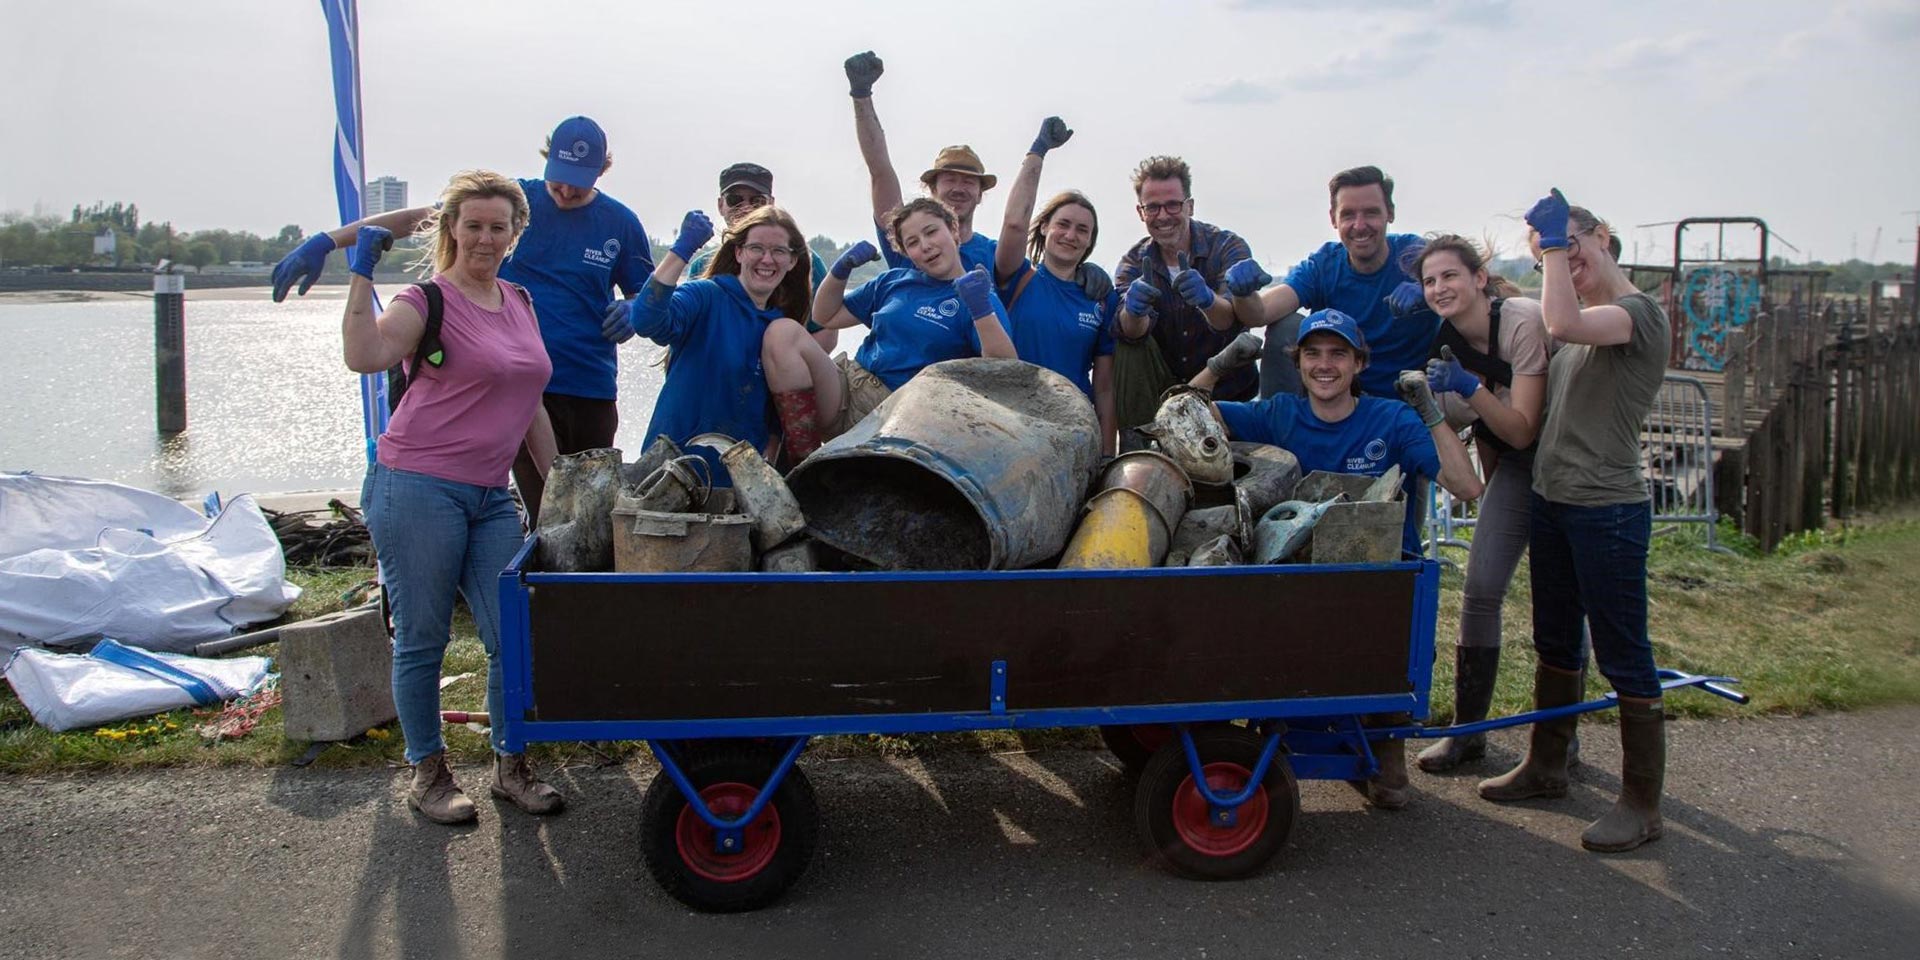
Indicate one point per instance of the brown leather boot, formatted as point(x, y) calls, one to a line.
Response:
point(514, 782)
point(1544, 771)
point(1635, 817)
point(434, 793)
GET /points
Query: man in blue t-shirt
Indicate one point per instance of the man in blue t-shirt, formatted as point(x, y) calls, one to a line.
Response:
point(578, 246)
point(957, 178)
point(744, 188)
point(1361, 275)
point(1333, 428)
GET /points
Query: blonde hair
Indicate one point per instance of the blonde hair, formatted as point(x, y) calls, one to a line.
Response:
point(438, 250)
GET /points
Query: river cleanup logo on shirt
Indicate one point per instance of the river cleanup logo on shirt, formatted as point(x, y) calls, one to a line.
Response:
point(939, 315)
point(606, 255)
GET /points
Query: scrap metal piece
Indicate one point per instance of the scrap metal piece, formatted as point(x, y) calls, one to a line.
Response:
point(760, 493)
point(1285, 528)
point(576, 522)
point(1186, 431)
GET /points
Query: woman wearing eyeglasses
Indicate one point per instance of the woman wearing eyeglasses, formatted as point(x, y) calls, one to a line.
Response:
point(1062, 306)
point(1591, 518)
point(1494, 365)
point(737, 338)
point(917, 316)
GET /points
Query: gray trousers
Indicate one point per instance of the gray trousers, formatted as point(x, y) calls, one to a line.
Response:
point(1499, 538)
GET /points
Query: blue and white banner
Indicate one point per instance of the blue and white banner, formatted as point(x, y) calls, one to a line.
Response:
point(349, 172)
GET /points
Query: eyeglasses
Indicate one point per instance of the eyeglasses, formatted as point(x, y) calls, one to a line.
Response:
point(1169, 208)
point(761, 251)
point(754, 200)
point(1572, 238)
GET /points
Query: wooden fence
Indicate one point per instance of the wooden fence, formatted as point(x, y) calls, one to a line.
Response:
point(1839, 384)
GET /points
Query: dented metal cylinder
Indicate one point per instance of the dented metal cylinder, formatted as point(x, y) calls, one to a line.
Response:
point(1121, 530)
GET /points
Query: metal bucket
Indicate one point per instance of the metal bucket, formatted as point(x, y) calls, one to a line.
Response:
point(575, 532)
point(971, 465)
point(760, 493)
point(650, 541)
point(1154, 476)
point(1122, 530)
point(678, 486)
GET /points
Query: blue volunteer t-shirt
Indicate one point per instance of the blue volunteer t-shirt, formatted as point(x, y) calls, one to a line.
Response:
point(1057, 326)
point(570, 260)
point(715, 381)
point(1327, 279)
point(976, 252)
point(1377, 435)
point(916, 321)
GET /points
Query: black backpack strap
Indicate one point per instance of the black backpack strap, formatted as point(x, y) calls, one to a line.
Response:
point(431, 351)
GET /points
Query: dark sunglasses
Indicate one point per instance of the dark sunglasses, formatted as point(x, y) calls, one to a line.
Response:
point(746, 199)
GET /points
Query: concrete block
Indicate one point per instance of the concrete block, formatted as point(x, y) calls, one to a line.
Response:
point(336, 675)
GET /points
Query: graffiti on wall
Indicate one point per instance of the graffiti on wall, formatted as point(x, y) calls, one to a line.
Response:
point(1717, 301)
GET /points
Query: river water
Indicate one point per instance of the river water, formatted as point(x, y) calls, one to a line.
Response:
point(270, 406)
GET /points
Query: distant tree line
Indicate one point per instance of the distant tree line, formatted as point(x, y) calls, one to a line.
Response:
point(48, 241)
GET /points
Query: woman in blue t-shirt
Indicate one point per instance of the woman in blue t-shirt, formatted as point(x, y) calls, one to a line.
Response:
point(1063, 310)
point(1334, 428)
point(920, 315)
point(738, 337)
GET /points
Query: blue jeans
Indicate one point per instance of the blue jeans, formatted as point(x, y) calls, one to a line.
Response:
point(1591, 563)
point(433, 537)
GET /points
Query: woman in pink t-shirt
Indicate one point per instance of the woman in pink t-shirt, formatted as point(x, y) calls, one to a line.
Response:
point(435, 498)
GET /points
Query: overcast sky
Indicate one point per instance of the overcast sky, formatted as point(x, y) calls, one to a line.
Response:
point(219, 114)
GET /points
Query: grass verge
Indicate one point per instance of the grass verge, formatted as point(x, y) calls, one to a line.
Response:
point(1825, 623)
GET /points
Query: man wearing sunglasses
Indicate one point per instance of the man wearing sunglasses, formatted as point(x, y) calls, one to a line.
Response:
point(1174, 311)
point(744, 188)
point(1360, 275)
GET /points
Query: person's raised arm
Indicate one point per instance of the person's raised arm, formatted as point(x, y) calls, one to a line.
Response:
point(1456, 468)
point(1602, 325)
point(649, 314)
point(1138, 299)
point(1245, 279)
point(830, 300)
point(1517, 423)
point(1021, 198)
point(862, 70)
point(308, 260)
point(1269, 306)
point(372, 344)
point(976, 295)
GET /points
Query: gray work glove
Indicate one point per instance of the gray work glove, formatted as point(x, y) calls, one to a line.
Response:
point(1244, 350)
point(1415, 391)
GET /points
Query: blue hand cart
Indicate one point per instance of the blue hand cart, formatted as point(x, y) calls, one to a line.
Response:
point(1218, 687)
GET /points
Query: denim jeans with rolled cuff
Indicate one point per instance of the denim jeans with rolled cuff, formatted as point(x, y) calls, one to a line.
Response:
point(434, 537)
point(1591, 563)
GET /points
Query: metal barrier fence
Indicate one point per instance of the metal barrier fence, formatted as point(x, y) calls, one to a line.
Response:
point(1676, 456)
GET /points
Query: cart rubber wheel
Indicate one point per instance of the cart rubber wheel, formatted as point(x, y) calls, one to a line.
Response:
point(1172, 817)
point(678, 845)
point(1134, 745)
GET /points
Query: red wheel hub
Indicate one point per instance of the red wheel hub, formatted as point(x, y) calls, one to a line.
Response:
point(1194, 821)
point(760, 839)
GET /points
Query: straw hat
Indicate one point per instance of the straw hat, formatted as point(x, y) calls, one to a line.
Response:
point(960, 158)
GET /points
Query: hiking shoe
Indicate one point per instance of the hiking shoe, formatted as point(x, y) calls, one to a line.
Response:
point(434, 793)
point(514, 782)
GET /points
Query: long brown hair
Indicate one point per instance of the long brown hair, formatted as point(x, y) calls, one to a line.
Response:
point(1037, 237)
point(794, 296)
point(1472, 256)
point(439, 249)
point(927, 205)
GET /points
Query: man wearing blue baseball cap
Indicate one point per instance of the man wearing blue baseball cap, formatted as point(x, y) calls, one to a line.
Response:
point(579, 245)
point(1335, 428)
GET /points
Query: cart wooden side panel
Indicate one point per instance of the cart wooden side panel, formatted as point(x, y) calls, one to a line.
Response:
point(651, 647)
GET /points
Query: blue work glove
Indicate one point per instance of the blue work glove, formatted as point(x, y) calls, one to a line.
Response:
point(975, 291)
point(862, 70)
point(1405, 299)
point(1548, 218)
point(1246, 278)
point(616, 325)
point(695, 231)
point(1446, 375)
point(1191, 286)
point(1053, 133)
point(1141, 295)
point(303, 265)
point(856, 255)
point(367, 248)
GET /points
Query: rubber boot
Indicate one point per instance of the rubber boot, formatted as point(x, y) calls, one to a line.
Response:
point(800, 420)
point(514, 782)
point(1573, 740)
point(436, 795)
point(1390, 789)
point(1635, 817)
point(1474, 670)
point(1544, 771)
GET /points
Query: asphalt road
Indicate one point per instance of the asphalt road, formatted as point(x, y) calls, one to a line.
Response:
point(1785, 838)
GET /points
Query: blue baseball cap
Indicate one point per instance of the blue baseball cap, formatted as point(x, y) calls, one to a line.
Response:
point(1331, 321)
point(576, 152)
